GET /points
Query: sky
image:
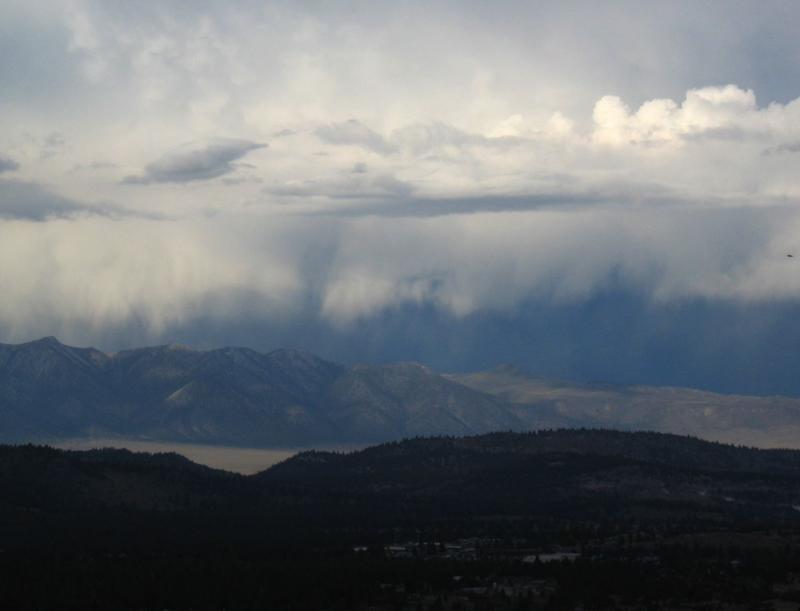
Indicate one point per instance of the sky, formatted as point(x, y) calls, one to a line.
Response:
point(592, 191)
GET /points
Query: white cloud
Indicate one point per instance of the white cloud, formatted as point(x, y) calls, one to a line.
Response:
point(712, 112)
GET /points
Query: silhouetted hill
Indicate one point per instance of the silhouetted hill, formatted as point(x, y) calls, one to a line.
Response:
point(568, 472)
point(41, 478)
point(652, 517)
point(563, 476)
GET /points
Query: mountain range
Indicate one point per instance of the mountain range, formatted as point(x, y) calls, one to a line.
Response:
point(238, 396)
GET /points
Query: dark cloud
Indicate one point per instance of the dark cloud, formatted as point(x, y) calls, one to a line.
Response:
point(426, 207)
point(33, 202)
point(7, 164)
point(731, 133)
point(94, 165)
point(354, 133)
point(53, 144)
point(430, 207)
point(358, 184)
point(786, 147)
point(616, 336)
point(242, 180)
point(196, 162)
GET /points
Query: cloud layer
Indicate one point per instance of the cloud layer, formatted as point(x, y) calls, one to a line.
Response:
point(199, 171)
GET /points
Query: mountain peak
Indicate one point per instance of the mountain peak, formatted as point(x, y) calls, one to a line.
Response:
point(49, 340)
point(296, 357)
point(298, 353)
point(411, 367)
point(181, 348)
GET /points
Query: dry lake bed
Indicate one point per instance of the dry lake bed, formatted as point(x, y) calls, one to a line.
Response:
point(229, 458)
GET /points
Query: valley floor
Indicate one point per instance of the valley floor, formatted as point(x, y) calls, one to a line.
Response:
point(229, 458)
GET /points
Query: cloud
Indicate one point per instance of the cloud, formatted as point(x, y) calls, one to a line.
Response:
point(33, 202)
point(416, 139)
point(353, 186)
point(416, 207)
point(53, 144)
point(505, 160)
point(354, 133)
point(726, 113)
point(96, 274)
point(420, 139)
point(786, 147)
point(7, 164)
point(196, 162)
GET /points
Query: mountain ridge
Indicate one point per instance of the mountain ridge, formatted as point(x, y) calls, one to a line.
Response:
point(288, 397)
point(561, 474)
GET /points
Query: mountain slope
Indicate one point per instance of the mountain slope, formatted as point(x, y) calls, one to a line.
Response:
point(233, 396)
point(237, 396)
point(48, 387)
point(761, 421)
point(407, 399)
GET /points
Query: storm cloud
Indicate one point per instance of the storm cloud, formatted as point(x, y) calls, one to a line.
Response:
point(563, 185)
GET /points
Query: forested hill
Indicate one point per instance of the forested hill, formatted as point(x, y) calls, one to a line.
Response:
point(569, 475)
point(446, 455)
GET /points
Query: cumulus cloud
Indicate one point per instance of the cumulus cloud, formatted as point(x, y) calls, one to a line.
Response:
point(193, 162)
point(728, 112)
